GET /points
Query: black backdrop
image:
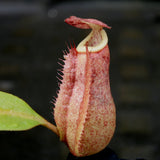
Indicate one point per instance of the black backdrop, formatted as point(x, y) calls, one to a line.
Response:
point(33, 35)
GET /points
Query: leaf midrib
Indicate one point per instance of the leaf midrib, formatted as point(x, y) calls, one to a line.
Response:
point(21, 115)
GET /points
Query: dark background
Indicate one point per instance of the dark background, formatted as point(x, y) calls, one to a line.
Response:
point(32, 37)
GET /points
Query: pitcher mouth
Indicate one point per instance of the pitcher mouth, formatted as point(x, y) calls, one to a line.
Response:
point(95, 41)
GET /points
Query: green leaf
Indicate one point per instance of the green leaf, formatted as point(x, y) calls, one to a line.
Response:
point(16, 114)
